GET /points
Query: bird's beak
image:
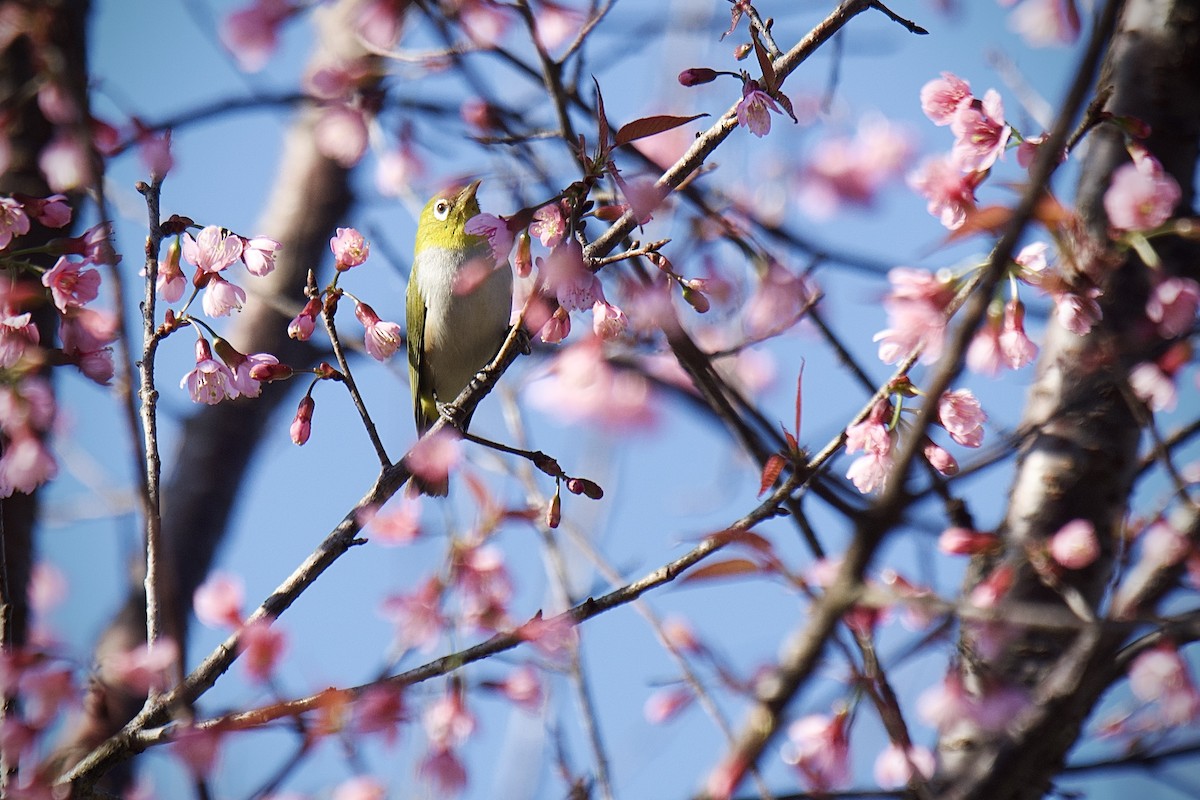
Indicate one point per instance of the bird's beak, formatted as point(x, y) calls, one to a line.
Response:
point(467, 194)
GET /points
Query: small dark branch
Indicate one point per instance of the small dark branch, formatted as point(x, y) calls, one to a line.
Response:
point(907, 24)
point(764, 31)
point(351, 386)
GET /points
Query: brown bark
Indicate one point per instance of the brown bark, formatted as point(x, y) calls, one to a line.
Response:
point(1078, 457)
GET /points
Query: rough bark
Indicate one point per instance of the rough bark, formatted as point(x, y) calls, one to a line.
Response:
point(1079, 454)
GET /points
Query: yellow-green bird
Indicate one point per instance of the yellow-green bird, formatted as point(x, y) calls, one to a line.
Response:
point(458, 308)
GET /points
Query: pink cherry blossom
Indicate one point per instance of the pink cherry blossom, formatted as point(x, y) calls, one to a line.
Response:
point(434, 457)
point(962, 416)
point(145, 667)
point(380, 709)
point(251, 34)
point(198, 749)
point(27, 404)
point(53, 211)
point(65, 163)
point(776, 305)
point(894, 766)
point(349, 248)
point(44, 692)
point(360, 787)
point(980, 134)
point(966, 542)
point(983, 354)
point(1160, 675)
point(486, 24)
point(210, 381)
point(556, 328)
point(262, 645)
point(341, 134)
point(568, 278)
point(380, 22)
point(171, 281)
point(941, 97)
point(940, 459)
point(852, 170)
point(243, 380)
point(383, 339)
point(548, 225)
point(86, 330)
point(258, 254)
point(301, 328)
point(301, 427)
point(18, 334)
point(950, 191)
point(608, 321)
point(213, 249)
point(1042, 23)
point(680, 635)
point(992, 589)
point(1141, 196)
point(398, 524)
point(870, 472)
point(582, 387)
point(47, 587)
point(1163, 545)
point(916, 309)
point(1153, 387)
point(1075, 545)
point(754, 109)
point(819, 749)
point(25, 465)
point(483, 581)
point(667, 703)
point(495, 230)
point(417, 616)
point(554, 637)
point(1172, 306)
point(222, 297)
point(13, 221)
point(447, 721)
point(154, 148)
point(523, 688)
point(399, 170)
point(1078, 311)
point(218, 601)
point(1016, 348)
point(445, 771)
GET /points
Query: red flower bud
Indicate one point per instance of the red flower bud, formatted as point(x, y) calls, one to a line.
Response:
point(696, 76)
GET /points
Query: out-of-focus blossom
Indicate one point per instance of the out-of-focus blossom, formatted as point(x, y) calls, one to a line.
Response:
point(360, 787)
point(1075, 545)
point(1163, 545)
point(1153, 387)
point(218, 601)
point(341, 134)
point(399, 170)
point(894, 766)
point(380, 22)
point(25, 465)
point(991, 590)
point(14, 221)
point(667, 703)
point(983, 354)
point(949, 190)
point(940, 459)
point(852, 170)
point(155, 152)
point(1016, 348)
point(434, 457)
point(916, 309)
point(145, 667)
point(967, 542)
point(65, 163)
point(445, 771)
point(962, 416)
point(417, 616)
point(262, 645)
point(1172, 306)
point(523, 688)
point(1141, 196)
point(53, 211)
point(398, 524)
point(380, 709)
point(1160, 675)
point(481, 575)
point(819, 749)
point(778, 301)
point(583, 387)
point(251, 34)
point(568, 278)
point(198, 749)
point(941, 97)
point(447, 721)
point(1043, 23)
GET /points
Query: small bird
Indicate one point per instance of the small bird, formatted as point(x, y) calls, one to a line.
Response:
point(459, 303)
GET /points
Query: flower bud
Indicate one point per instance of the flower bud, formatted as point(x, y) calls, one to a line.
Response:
point(265, 373)
point(523, 261)
point(585, 487)
point(302, 423)
point(695, 299)
point(696, 76)
point(554, 510)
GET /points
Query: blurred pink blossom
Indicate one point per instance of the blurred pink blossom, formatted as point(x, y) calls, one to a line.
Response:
point(819, 749)
point(1075, 545)
point(1172, 306)
point(360, 787)
point(941, 97)
point(950, 191)
point(1042, 23)
point(1141, 196)
point(218, 601)
point(417, 616)
point(341, 134)
point(667, 703)
point(262, 645)
point(962, 416)
point(894, 766)
point(251, 34)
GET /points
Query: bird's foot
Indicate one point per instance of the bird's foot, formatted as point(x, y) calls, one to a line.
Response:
point(453, 415)
point(524, 343)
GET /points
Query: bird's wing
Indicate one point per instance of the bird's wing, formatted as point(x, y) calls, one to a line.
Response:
point(422, 390)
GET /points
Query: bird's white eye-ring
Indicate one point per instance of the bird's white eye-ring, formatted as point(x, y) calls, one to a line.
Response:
point(441, 210)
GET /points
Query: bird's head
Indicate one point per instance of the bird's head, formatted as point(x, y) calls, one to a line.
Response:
point(444, 218)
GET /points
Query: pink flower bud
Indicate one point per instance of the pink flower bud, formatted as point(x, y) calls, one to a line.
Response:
point(302, 423)
point(696, 76)
point(1075, 545)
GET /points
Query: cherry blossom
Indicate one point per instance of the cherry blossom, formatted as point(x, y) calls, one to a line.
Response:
point(442, 768)
point(548, 225)
point(213, 249)
point(434, 457)
point(894, 766)
point(941, 97)
point(262, 645)
point(1172, 306)
point(667, 703)
point(583, 387)
point(754, 109)
point(495, 230)
point(251, 34)
point(1153, 387)
point(380, 709)
point(383, 339)
point(1141, 196)
point(171, 282)
point(25, 465)
point(341, 134)
point(218, 601)
point(222, 297)
point(14, 221)
point(1075, 545)
point(349, 248)
point(1016, 348)
point(950, 191)
point(417, 616)
point(980, 133)
point(961, 415)
point(916, 309)
point(210, 381)
point(258, 254)
point(967, 542)
point(360, 787)
point(301, 328)
point(301, 427)
point(819, 749)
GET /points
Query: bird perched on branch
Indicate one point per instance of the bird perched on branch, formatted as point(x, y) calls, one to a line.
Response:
point(459, 302)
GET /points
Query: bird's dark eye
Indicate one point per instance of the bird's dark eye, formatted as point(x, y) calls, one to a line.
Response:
point(441, 209)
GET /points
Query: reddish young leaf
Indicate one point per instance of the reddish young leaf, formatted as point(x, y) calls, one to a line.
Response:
point(722, 569)
point(752, 540)
point(649, 126)
point(770, 473)
point(764, 62)
point(799, 401)
point(602, 120)
point(989, 219)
